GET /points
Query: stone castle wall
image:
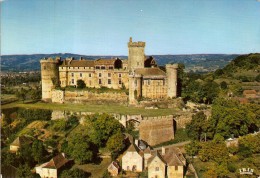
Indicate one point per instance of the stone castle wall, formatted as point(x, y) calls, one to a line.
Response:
point(156, 130)
point(59, 96)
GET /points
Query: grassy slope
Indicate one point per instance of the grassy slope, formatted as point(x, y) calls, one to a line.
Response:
point(112, 108)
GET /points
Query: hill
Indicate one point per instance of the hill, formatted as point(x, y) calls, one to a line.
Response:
point(193, 62)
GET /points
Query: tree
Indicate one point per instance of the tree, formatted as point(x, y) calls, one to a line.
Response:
point(223, 85)
point(115, 143)
point(81, 84)
point(77, 173)
point(257, 78)
point(102, 127)
point(81, 148)
point(192, 148)
point(25, 155)
point(22, 94)
point(229, 117)
point(197, 126)
point(181, 76)
point(24, 171)
point(38, 150)
point(217, 152)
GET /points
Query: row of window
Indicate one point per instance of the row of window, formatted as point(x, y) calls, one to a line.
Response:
point(77, 67)
point(100, 75)
point(157, 168)
point(100, 81)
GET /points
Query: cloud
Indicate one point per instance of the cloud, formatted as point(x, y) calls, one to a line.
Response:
point(1, 0)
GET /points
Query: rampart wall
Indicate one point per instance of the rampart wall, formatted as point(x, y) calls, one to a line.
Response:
point(59, 96)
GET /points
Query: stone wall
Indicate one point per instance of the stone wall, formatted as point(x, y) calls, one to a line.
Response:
point(59, 96)
point(156, 130)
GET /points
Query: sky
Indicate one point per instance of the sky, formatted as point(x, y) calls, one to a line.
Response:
point(103, 27)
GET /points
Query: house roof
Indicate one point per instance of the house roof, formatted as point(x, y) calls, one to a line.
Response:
point(21, 141)
point(172, 157)
point(156, 154)
point(133, 148)
point(148, 149)
point(78, 63)
point(56, 162)
point(151, 72)
point(249, 92)
point(113, 165)
point(105, 61)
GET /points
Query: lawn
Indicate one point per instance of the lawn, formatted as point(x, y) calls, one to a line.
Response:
point(96, 170)
point(95, 108)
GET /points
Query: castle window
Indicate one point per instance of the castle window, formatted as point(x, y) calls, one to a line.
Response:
point(99, 81)
point(72, 81)
point(84, 67)
point(90, 82)
point(72, 74)
point(89, 74)
point(78, 67)
point(103, 67)
point(97, 67)
point(109, 74)
point(119, 75)
point(80, 74)
point(119, 81)
point(156, 168)
point(148, 82)
point(61, 67)
point(110, 67)
point(100, 75)
point(109, 81)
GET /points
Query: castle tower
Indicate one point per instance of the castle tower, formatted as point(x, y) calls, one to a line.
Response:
point(136, 56)
point(135, 88)
point(49, 76)
point(171, 73)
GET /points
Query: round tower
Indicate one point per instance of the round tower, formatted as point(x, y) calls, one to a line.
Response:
point(49, 76)
point(136, 56)
point(171, 73)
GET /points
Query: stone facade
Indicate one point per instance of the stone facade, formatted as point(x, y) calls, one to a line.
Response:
point(157, 168)
point(132, 160)
point(156, 131)
point(139, 74)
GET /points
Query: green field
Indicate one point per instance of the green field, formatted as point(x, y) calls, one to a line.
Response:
point(95, 108)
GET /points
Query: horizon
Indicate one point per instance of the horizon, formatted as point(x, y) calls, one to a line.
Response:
point(104, 27)
point(127, 55)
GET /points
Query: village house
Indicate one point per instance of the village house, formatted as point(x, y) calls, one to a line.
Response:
point(250, 93)
point(113, 168)
point(167, 162)
point(19, 142)
point(52, 168)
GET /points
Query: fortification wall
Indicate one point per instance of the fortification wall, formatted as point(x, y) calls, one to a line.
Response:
point(59, 96)
point(156, 130)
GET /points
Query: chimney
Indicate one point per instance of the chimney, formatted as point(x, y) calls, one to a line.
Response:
point(136, 142)
point(163, 150)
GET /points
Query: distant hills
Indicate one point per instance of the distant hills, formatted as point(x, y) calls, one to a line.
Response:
point(193, 62)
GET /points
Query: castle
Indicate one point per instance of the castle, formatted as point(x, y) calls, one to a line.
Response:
point(139, 74)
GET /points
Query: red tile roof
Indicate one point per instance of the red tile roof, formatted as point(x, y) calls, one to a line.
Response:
point(57, 162)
